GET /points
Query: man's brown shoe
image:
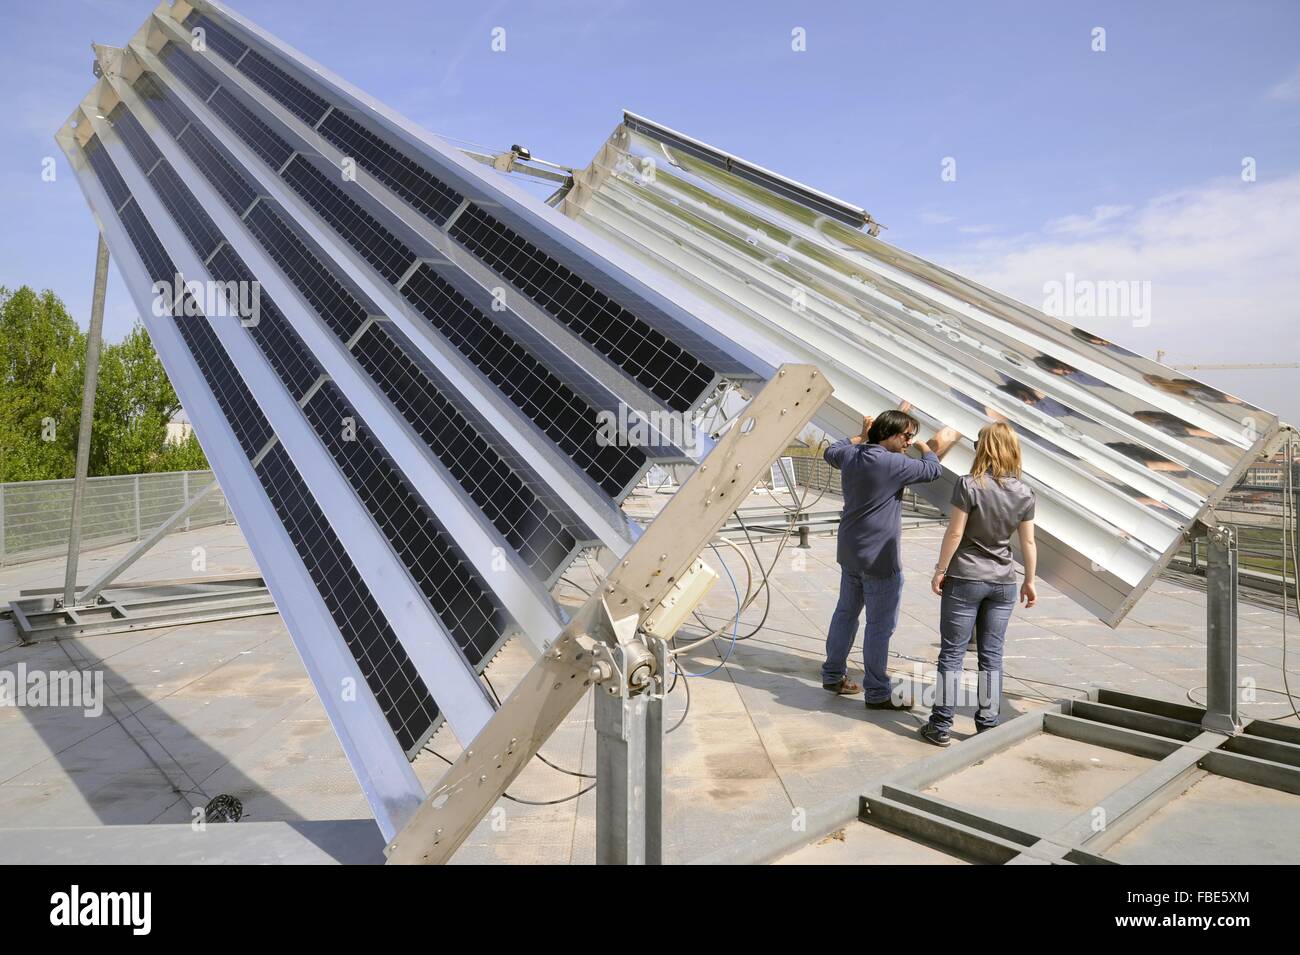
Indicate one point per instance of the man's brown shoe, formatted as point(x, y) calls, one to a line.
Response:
point(844, 687)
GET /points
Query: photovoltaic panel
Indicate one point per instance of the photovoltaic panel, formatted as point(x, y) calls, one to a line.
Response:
point(389, 672)
point(460, 599)
point(255, 133)
point(172, 118)
point(363, 232)
point(189, 72)
point(542, 538)
point(401, 694)
point(136, 140)
point(564, 418)
point(217, 170)
point(287, 91)
point(668, 372)
point(609, 466)
point(434, 199)
point(334, 303)
point(217, 39)
point(107, 172)
point(193, 221)
point(369, 305)
point(395, 168)
point(535, 533)
point(290, 358)
point(676, 366)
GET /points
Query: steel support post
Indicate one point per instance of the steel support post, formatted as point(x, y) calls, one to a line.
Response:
point(1221, 632)
point(93, 337)
point(629, 763)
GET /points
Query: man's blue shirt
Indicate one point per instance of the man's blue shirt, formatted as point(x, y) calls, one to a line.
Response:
point(873, 479)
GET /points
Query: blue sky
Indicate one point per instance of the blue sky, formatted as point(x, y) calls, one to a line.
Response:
point(1123, 164)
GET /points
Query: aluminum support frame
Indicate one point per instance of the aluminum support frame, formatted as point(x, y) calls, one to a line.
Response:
point(599, 642)
point(93, 338)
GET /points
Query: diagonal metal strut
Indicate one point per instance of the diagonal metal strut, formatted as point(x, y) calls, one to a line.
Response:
point(611, 616)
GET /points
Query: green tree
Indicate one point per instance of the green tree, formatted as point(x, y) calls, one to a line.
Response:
point(42, 367)
point(42, 355)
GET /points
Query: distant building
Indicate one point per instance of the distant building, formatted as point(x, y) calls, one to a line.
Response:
point(179, 428)
point(1265, 474)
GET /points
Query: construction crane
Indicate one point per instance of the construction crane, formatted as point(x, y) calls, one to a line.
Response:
point(1226, 366)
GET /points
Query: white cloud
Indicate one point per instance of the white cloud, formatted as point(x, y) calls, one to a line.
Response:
point(935, 218)
point(1221, 260)
point(1289, 88)
point(1092, 222)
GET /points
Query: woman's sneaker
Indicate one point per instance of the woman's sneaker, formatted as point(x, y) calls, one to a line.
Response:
point(932, 734)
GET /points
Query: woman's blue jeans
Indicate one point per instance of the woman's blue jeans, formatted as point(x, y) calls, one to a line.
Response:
point(984, 609)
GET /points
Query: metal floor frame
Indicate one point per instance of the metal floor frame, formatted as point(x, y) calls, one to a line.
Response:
point(1264, 754)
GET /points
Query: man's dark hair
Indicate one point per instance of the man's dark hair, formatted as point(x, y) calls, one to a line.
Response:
point(889, 423)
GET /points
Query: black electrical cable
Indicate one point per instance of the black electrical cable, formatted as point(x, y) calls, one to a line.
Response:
point(525, 802)
point(686, 684)
point(538, 754)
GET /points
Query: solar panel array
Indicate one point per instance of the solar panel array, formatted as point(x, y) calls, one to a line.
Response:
point(432, 456)
point(1123, 453)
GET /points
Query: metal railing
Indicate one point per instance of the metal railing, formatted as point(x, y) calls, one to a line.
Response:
point(35, 515)
point(1257, 511)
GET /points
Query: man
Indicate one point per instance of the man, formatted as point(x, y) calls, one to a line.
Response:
point(874, 468)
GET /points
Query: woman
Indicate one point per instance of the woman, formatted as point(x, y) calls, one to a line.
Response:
point(976, 576)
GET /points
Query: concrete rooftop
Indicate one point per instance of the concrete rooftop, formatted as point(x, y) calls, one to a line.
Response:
point(195, 711)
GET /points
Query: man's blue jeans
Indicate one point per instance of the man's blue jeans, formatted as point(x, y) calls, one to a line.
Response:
point(986, 609)
point(882, 597)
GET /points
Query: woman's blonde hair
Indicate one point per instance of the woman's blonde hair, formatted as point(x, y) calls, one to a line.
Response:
point(997, 452)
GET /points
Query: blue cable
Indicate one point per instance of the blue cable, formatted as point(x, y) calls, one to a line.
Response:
point(735, 626)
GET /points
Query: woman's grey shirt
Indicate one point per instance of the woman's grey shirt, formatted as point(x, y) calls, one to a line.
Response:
point(996, 511)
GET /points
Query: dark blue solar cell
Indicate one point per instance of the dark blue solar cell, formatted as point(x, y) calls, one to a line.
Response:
point(132, 134)
point(216, 38)
point(284, 89)
point(108, 175)
point(220, 173)
point(162, 104)
point(334, 303)
point(642, 351)
point(434, 199)
point(362, 231)
point(256, 135)
point(500, 491)
point(197, 225)
point(564, 417)
point(191, 74)
point(387, 669)
point(460, 598)
point(277, 339)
